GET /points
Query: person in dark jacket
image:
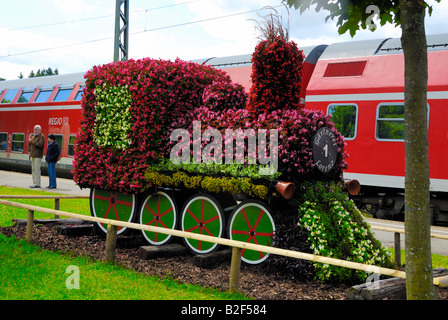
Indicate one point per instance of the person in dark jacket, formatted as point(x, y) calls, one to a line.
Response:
point(53, 152)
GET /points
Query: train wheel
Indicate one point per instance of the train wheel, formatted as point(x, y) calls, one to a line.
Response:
point(202, 214)
point(112, 205)
point(252, 222)
point(158, 210)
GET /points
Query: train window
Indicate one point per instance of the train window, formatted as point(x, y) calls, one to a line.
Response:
point(390, 122)
point(18, 142)
point(345, 69)
point(71, 146)
point(345, 119)
point(3, 141)
point(79, 94)
point(9, 96)
point(25, 96)
point(44, 94)
point(63, 94)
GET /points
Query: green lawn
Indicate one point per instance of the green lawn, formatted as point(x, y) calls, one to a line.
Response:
point(80, 206)
point(27, 272)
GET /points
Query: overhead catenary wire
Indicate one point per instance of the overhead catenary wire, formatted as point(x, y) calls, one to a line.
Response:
point(134, 33)
point(97, 17)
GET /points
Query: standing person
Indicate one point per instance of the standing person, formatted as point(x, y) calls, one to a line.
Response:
point(53, 153)
point(36, 142)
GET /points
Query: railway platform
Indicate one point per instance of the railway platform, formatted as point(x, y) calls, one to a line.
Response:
point(24, 180)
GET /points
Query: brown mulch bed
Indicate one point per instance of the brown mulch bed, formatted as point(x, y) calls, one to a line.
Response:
point(255, 281)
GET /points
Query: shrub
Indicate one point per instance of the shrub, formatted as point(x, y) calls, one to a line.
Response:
point(337, 229)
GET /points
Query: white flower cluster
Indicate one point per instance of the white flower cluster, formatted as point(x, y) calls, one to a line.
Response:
point(337, 233)
point(113, 117)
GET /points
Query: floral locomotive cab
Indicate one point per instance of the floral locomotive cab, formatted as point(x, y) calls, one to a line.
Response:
point(144, 121)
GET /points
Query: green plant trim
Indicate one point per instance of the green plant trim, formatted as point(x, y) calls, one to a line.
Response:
point(207, 183)
point(233, 170)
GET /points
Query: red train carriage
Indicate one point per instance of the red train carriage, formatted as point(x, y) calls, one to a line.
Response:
point(53, 102)
point(361, 83)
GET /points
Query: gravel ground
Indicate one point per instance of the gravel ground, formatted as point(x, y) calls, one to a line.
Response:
point(255, 281)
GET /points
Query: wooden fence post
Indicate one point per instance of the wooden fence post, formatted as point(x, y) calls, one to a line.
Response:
point(235, 266)
point(397, 249)
point(111, 242)
point(29, 226)
point(56, 207)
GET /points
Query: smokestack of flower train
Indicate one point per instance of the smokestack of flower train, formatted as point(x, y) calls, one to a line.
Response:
point(155, 122)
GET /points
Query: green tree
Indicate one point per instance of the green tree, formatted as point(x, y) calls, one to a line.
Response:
point(43, 73)
point(410, 16)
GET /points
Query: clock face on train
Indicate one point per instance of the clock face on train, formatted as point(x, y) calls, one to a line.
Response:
point(325, 149)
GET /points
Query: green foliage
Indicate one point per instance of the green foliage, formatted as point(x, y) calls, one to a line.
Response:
point(212, 184)
point(337, 229)
point(232, 170)
point(353, 15)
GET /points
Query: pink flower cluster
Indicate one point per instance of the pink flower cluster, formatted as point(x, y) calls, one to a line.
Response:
point(165, 96)
point(296, 129)
point(276, 76)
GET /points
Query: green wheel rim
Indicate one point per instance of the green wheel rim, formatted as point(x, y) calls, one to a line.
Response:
point(112, 205)
point(251, 222)
point(202, 214)
point(158, 210)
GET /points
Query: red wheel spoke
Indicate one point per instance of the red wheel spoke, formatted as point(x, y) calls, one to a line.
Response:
point(258, 219)
point(167, 211)
point(193, 228)
point(192, 215)
point(151, 222)
point(107, 211)
point(116, 213)
point(264, 234)
point(124, 203)
point(246, 218)
point(98, 197)
point(240, 232)
point(211, 219)
point(208, 231)
point(150, 210)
